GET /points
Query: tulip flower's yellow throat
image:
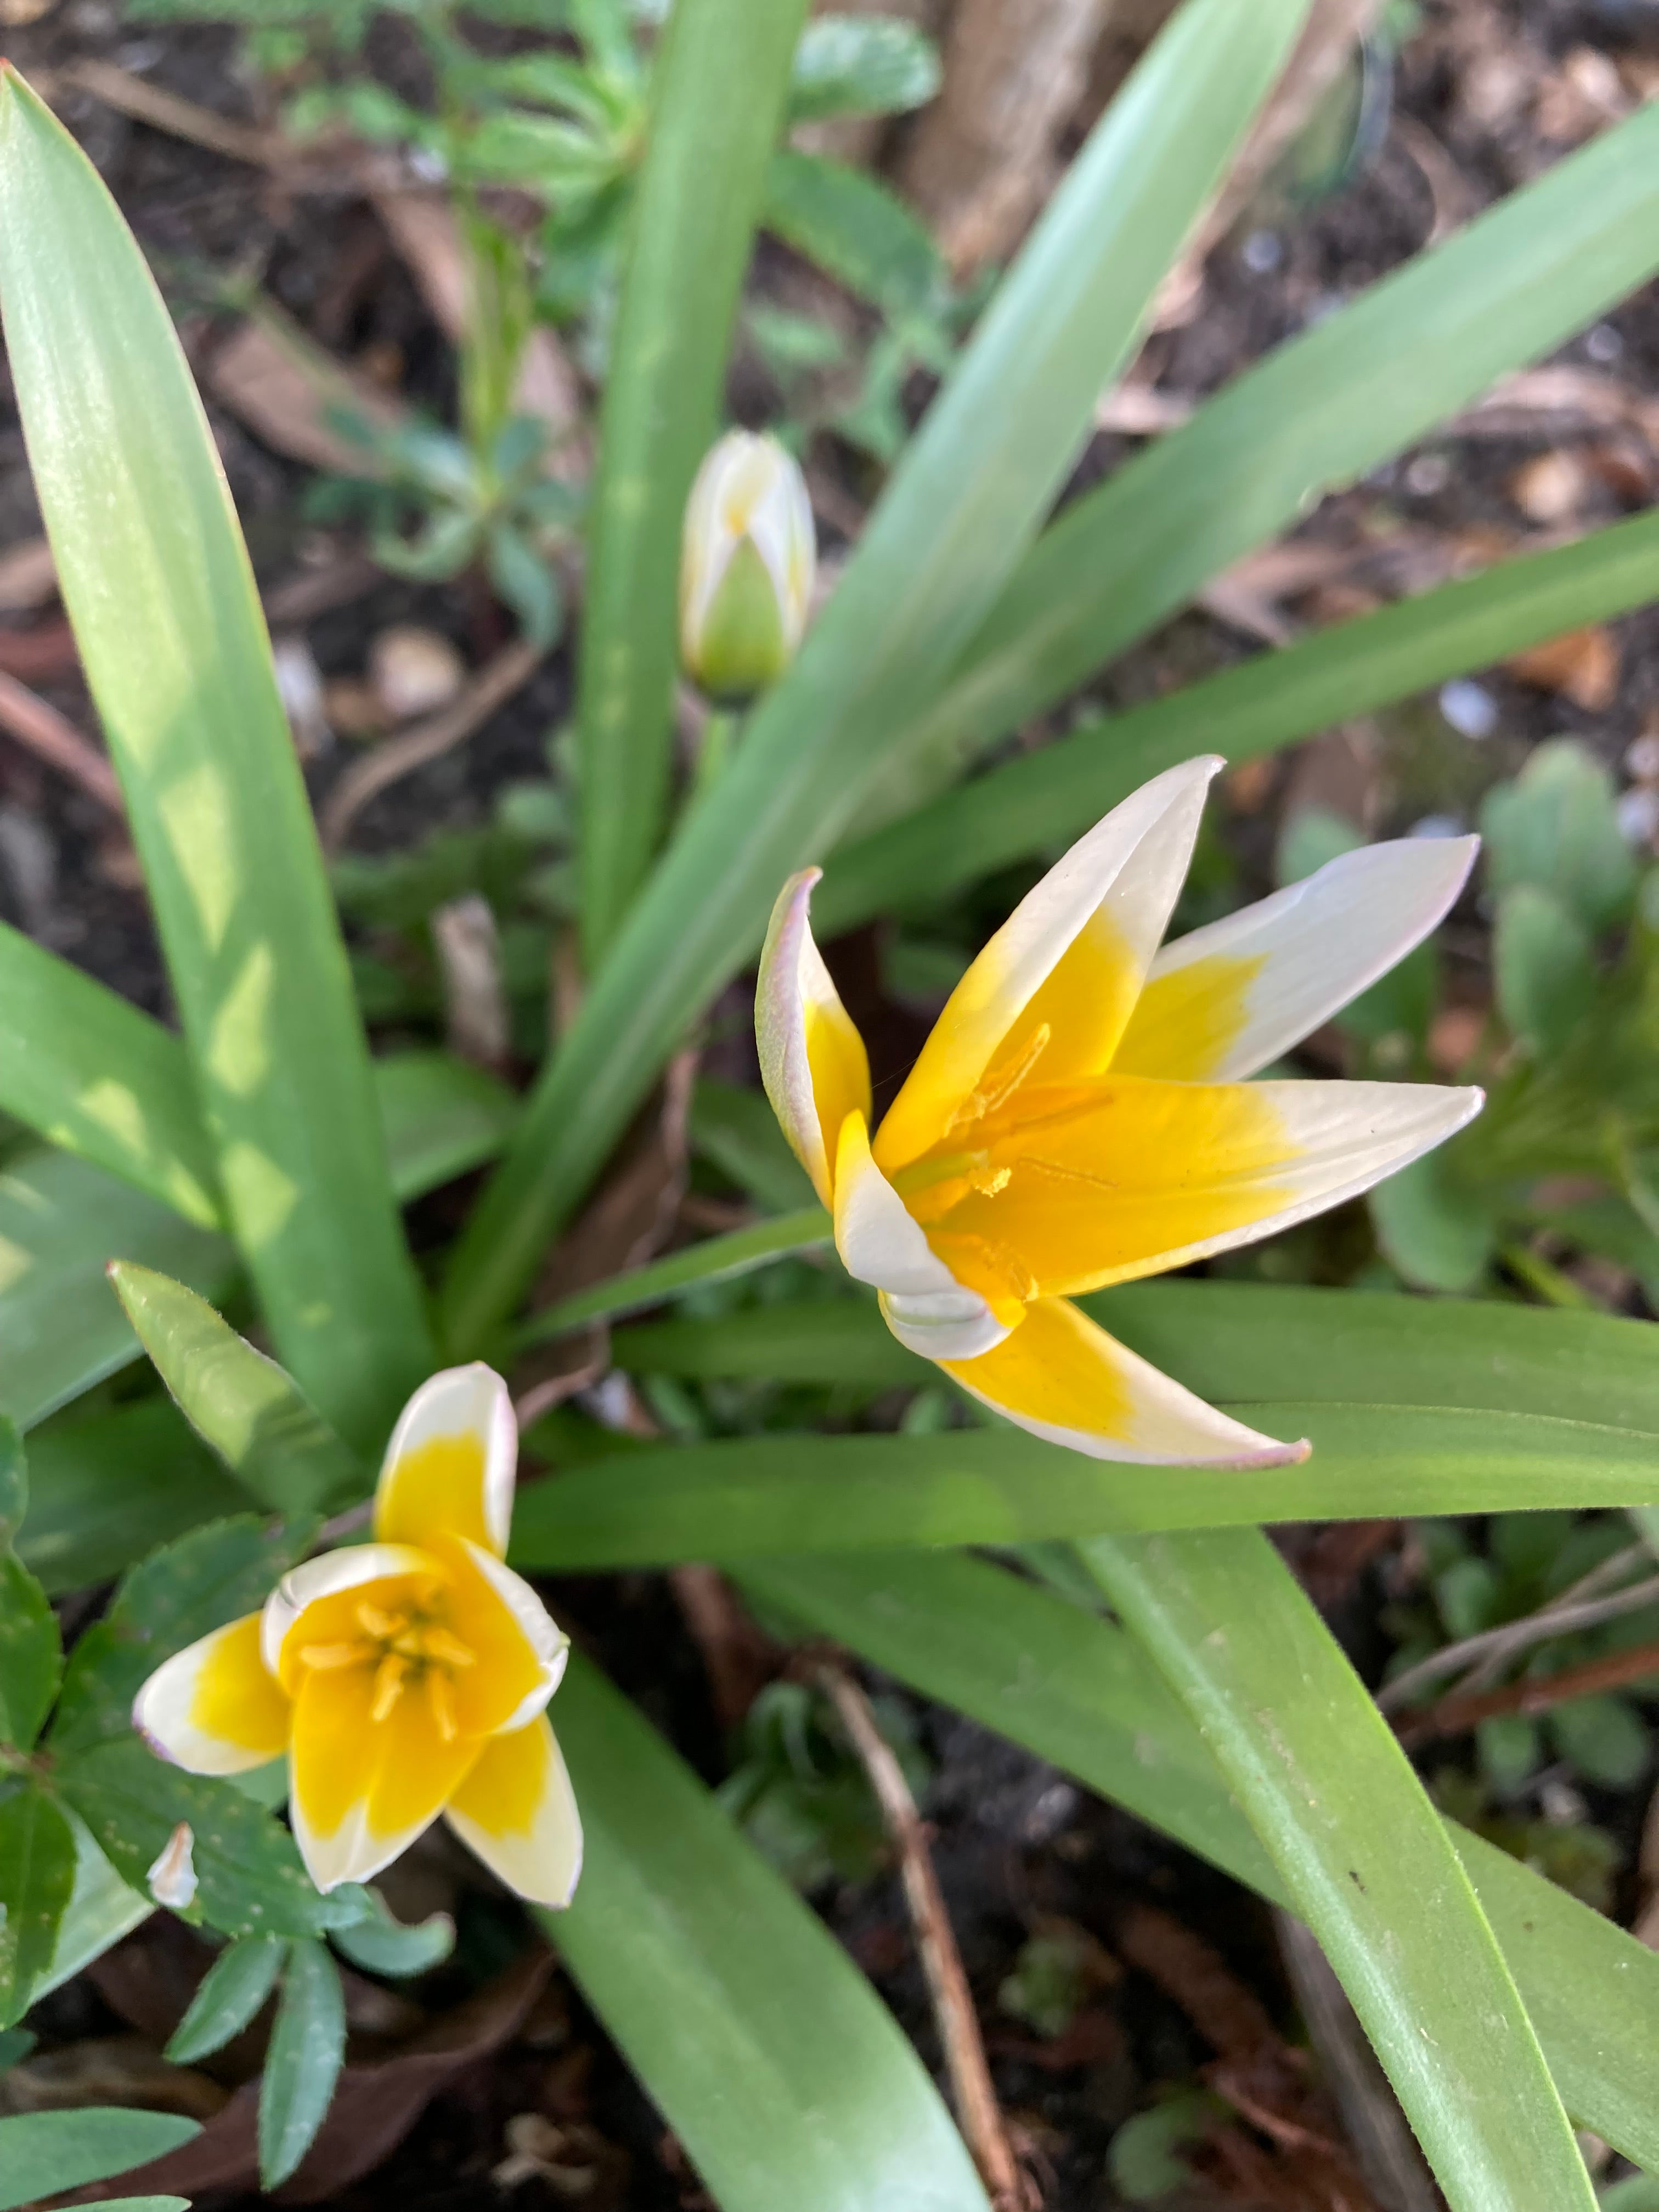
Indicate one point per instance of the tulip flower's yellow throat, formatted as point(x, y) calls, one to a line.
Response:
point(1079, 1116)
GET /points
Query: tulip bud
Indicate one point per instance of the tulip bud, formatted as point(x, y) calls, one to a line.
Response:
point(746, 566)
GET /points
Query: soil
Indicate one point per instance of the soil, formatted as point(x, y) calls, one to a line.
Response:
point(1017, 1846)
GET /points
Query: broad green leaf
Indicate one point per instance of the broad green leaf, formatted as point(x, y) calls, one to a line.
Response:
point(1556, 829)
point(855, 230)
point(1039, 801)
point(101, 1910)
point(690, 228)
point(230, 1993)
point(308, 2049)
point(242, 1404)
point(860, 65)
point(203, 1581)
point(31, 1655)
point(767, 2053)
point(1318, 412)
point(1440, 1233)
point(1363, 1854)
point(36, 1874)
point(109, 1487)
point(1543, 965)
point(157, 584)
point(716, 1260)
point(44, 2152)
point(966, 498)
point(748, 1497)
point(1075, 1690)
point(250, 1877)
point(93, 1074)
point(62, 1221)
point(382, 1944)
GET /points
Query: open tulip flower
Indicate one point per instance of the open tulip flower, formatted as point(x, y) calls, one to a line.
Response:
point(1081, 1116)
point(404, 1678)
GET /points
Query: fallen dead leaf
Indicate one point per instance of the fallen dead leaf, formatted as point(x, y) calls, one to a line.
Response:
point(275, 379)
point(414, 671)
point(374, 2106)
point(476, 1021)
point(1583, 665)
point(109, 2070)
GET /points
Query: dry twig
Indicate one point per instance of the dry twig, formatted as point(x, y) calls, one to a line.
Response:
point(1454, 1715)
point(50, 737)
point(1579, 1606)
point(972, 2089)
point(492, 687)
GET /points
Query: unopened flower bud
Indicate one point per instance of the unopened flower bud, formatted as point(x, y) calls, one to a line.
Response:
point(746, 566)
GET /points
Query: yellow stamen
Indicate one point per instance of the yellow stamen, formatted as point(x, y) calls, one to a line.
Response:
point(382, 1626)
point(999, 1084)
point(441, 1644)
point(388, 1684)
point(326, 1656)
point(439, 1697)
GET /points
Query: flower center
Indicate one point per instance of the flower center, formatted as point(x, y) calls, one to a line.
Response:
point(409, 1648)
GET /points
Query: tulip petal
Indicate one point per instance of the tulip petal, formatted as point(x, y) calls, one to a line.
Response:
point(362, 1789)
point(1103, 1182)
point(214, 1707)
point(449, 1467)
point(1224, 1001)
point(1049, 997)
point(335, 1583)
point(517, 1811)
point(1067, 1381)
point(812, 1058)
point(519, 1655)
point(926, 1307)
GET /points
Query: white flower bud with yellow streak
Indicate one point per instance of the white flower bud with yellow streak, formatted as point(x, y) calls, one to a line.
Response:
point(746, 569)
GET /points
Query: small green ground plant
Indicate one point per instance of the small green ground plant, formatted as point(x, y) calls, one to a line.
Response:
point(258, 1160)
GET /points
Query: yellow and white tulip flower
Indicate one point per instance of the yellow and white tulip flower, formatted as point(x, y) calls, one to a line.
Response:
point(404, 1678)
point(746, 566)
point(1080, 1115)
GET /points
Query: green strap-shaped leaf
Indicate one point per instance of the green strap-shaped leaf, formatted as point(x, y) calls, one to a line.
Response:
point(967, 496)
point(308, 2049)
point(1039, 801)
point(771, 2058)
point(242, 1404)
point(690, 228)
point(1077, 1691)
point(1363, 1854)
point(31, 1655)
point(157, 584)
point(748, 1497)
point(93, 1074)
point(1244, 1342)
point(716, 1260)
point(36, 1874)
point(64, 1220)
point(44, 2152)
point(1318, 412)
point(231, 1991)
point(109, 1487)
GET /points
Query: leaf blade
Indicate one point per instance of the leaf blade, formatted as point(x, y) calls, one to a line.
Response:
point(1363, 1854)
point(697, 1956)
point(47, 2152)
point(308, 2049)
point(157, 583)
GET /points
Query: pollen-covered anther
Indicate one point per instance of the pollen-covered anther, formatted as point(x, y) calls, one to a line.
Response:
point(988, 1180)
